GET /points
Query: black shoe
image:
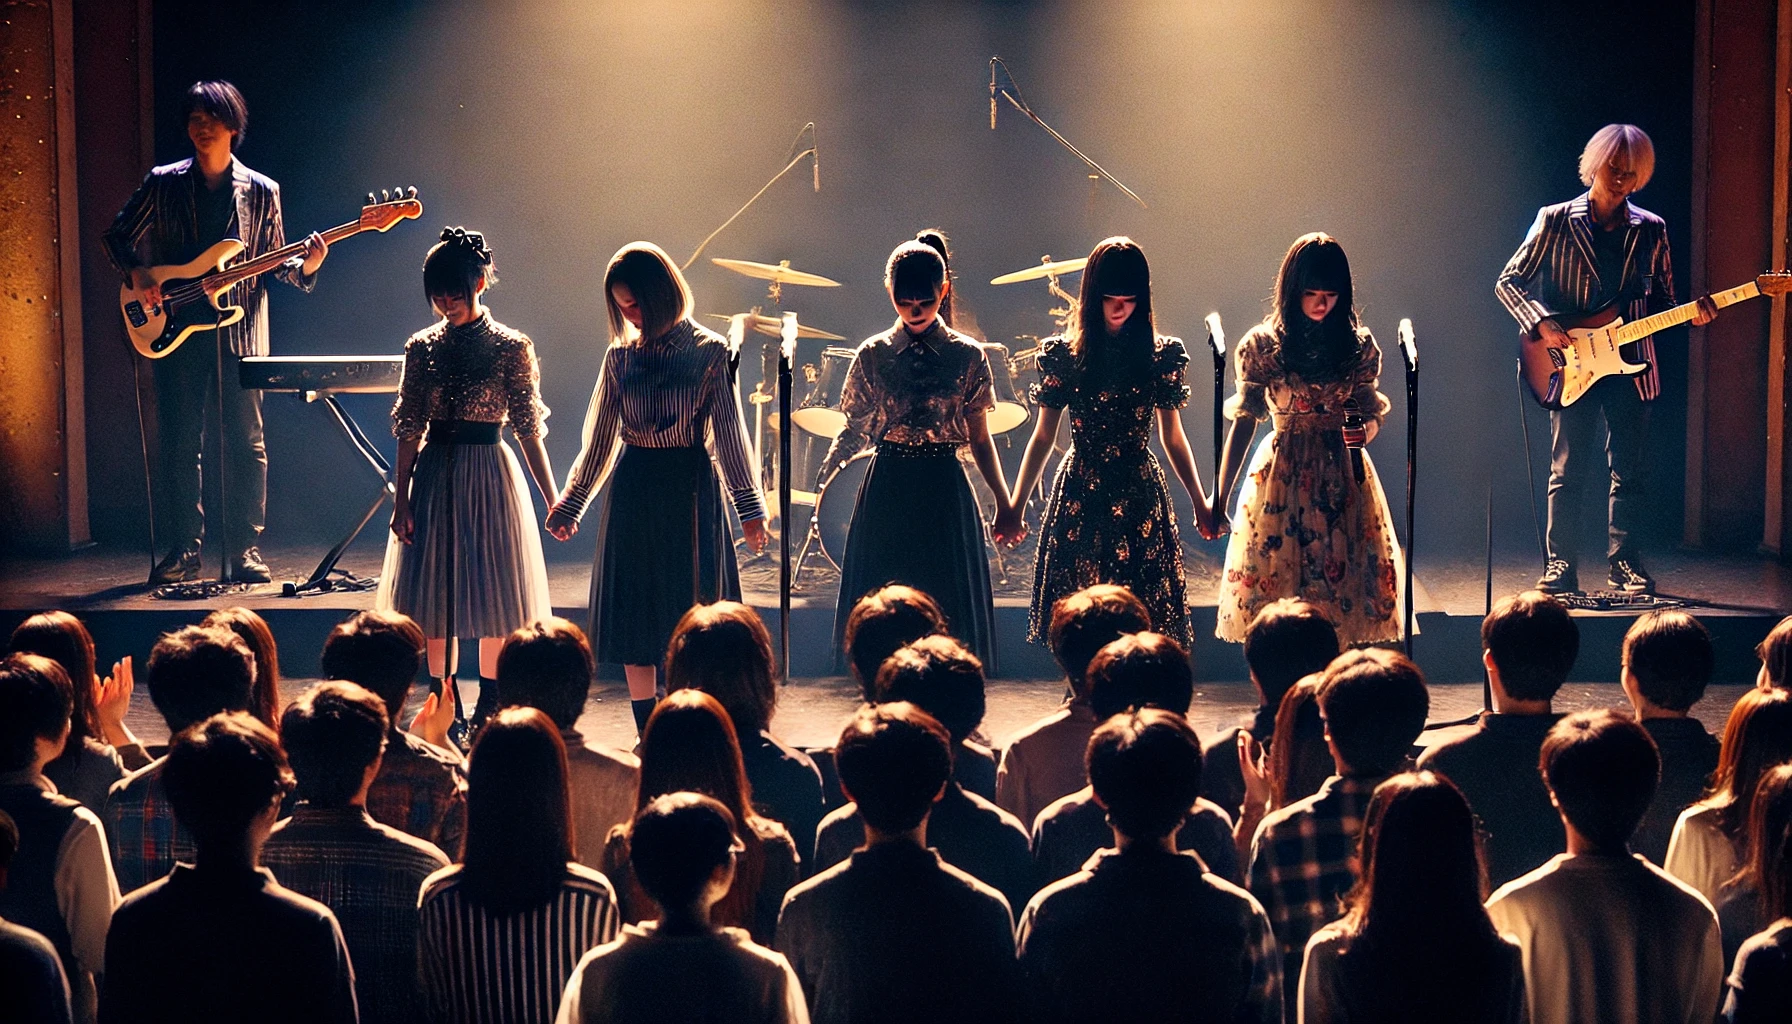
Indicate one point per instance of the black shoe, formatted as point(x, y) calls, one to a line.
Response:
point(1629, 576)
point(1558, 577)
point(182, 564)
point(249, 568)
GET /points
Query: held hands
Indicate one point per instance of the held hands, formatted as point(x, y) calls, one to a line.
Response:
point(561, 526)
point(315, 251)
point(1010, 527)
point(754, 530)
point(404, 527)
point(1211, 521)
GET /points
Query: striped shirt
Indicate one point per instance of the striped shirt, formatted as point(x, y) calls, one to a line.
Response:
point(478, 968)
point(673, 392)
point(1556, 272)
point(369, 876)
point(165, 211)
point(139, 821)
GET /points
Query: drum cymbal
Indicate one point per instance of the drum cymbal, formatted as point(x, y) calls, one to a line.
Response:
point(773, 326)
point(822, 422)
point(1047, 267)
point(779, 273)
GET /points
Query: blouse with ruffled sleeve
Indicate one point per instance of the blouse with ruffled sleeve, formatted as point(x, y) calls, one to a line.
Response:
point(1260, 375)
point(1169, 389)
point(1061, 379)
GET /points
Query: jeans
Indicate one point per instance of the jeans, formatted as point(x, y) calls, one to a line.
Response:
point(186, 401)
point(1573, 433)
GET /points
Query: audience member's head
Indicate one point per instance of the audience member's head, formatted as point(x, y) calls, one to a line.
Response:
point(939, 676)
point(1145, 766)
point(1374, 703)
point(35, 703)
point(224, 776)
point(1602, 770)
point(690, 746)
point(334, 734)
point(1140, 670)
point(1531, 642)
point(1088, 620)
point(1289, 640)
point(1775, 652)
point(881, 623)
point(1757, 736)
point(894, 760)
point(63, 639)
point(264, 699)
point(197, 672)
point(682, 848)
point(379, 650)
point(1767, 857)
point(1668, 659)
point(548, 665)
point(519, 819)
point(724, 650)
point(1299, 759)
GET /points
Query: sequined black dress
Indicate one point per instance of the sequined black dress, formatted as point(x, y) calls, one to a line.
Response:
point(1109, 517)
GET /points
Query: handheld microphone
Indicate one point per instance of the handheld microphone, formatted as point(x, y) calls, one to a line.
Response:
point(992, 94)
point(1356, 435)
point(815, 156)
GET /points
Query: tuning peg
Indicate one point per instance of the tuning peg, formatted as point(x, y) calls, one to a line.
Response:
point(385, 196)
point(370, 199)
point(398, 192)
point(411, 193)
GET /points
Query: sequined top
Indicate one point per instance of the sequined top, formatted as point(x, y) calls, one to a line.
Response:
point(911, 389)
point(484, 372)
point(1268, 389)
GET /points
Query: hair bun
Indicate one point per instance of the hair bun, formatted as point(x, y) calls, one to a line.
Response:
point(472, 241)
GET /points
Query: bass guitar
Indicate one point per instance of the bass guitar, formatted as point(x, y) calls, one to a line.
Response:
point(1559, 375)
point(193, 293)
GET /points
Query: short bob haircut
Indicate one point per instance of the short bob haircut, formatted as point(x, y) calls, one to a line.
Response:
point(724, 650)
point(458, 266)
point(197, 672)
point(1374, 702)
point(332, 733)
point(915, 270)
point(1288, 640)
point(678, 842)
point(35, 703)
point(658, 286)
point(1088, 620)
point(1145, 767)
point(939, 676)
point(264, 699)
point(882, 622)
point(380, 650)
point(1602, 769)
point(1672, 657)
point(1533, 642)
point(221, 100)
point(1624, 146)
point(1141, 670)
point(548, 665)
point(62, 638)
point(223, 772)
point(894, 760)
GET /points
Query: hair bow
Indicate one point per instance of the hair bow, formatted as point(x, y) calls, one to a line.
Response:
point(471, 240)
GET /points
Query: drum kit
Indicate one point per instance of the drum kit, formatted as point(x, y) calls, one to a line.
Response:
point(819, 420)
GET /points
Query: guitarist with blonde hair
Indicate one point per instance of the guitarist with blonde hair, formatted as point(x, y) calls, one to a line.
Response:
point(1595, 252)
point(179, 211)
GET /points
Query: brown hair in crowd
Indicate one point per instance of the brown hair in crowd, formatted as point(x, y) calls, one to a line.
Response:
point(264, 699)
point(62, 638)
point(1088, 620)
point(888, 618)
point(725, 650)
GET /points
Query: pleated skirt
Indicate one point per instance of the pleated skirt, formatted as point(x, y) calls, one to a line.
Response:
point(470, 506)
point(664, 546)
point(917, 522)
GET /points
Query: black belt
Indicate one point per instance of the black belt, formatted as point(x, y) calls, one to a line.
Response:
point(462, 432)
point(924, 450)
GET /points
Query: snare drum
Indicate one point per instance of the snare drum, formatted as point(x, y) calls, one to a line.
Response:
point(1010, 410)
point(819, 413)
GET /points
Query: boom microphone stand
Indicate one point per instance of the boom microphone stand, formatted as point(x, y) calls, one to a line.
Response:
point(1014, 97)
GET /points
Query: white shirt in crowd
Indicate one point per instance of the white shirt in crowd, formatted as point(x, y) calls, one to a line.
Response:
point(720, 976)
point(1700, 854)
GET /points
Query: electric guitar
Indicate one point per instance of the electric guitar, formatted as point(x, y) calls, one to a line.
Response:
point(1559, 376)
point(192, 293)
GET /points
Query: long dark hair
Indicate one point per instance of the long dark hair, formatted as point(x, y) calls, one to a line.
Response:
point(62, 638)
point(519, 831)
point(264, 697)
point(1117, 266)
point(724, 650)
point(1419, 943)
point(1319, 351)
point(1757, 736)
point(1299, 760)
point(1767, 857)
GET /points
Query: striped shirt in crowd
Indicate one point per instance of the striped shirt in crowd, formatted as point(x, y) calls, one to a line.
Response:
point(140, 825)
point(673, 392)
point(369, 875)
point(482, 968)
point(1556, 272)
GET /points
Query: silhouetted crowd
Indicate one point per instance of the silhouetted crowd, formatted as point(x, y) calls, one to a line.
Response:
point(319, 862)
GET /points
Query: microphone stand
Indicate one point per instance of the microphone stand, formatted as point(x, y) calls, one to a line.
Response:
point(1410, 357)
point(813, 152)
point(1019, 102)
point(786, 352)
point(1216, 341)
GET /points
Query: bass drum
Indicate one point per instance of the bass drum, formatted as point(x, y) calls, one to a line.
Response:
point(833, 510)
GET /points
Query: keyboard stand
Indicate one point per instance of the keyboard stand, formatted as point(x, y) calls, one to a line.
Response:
point(320, 580)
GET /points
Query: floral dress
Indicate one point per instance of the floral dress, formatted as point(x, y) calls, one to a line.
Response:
point(1109, 518)
point(1304, 527)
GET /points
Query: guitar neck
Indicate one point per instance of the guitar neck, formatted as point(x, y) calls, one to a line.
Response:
point(1682, 313)
point(222, 279)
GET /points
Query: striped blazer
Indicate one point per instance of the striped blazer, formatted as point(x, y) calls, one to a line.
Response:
point(1554, 272)
point(160, 224)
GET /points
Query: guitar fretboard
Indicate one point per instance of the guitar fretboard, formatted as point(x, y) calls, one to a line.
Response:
point(1681, 314)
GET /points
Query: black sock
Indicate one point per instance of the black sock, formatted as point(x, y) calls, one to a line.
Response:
point(642, 708)
point(487, 704)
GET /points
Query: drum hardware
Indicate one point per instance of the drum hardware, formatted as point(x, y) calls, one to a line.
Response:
point(771, 326)
point(1050, 270)
point(779, 275)
point(1010, 410)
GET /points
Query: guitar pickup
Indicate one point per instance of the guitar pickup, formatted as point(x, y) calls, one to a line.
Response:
point(133, 311)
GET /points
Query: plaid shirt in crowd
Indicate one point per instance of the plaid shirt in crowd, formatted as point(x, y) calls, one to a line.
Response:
point(1303, 860)
point(370, 875)
point(421, 789)
point(140, 825)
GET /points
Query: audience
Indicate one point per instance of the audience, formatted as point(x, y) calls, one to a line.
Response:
point(1746, 905)
point(683, 849)
point(1287, 641)
point(1415, 943)
point(548, 665)
point(689, 746)
point(502, 929)
point(331, 850)
point(882, 623)
point(264, 700)
point(1760, 985)
point(101, 748)
point(1667, 663)
point(1711, 836)
point(1528, 646)
point(1044, 761)
point(1144, 932)
point(894, 933)
point(218, 938)
point(30, 970)
point(724, 650)
point(1607, 935)
point(59, 883)
point(1775, 652)
point(1138, 671)
point(1297, 763)
point(421, 787)
point(943, 679)
point(1374, 703)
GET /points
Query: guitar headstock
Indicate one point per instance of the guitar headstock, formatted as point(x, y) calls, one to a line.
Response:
point(1778, 282)
point(390, 208)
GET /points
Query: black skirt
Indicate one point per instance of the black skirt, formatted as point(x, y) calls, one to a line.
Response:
point(916, 522)
point(665, 546)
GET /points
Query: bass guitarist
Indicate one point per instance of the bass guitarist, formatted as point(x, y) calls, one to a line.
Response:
point(1590, 253)
point(181, 209)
